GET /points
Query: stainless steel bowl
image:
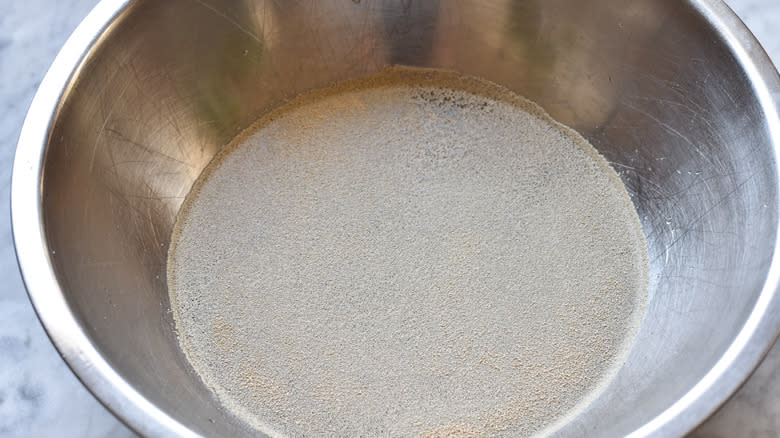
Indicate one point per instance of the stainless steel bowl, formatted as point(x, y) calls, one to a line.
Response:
point(677, 95)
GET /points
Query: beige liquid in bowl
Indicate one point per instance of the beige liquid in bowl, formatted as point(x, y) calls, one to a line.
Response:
point(412, 254)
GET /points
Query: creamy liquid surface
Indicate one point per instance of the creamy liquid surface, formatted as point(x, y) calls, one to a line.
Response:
point(413, 254)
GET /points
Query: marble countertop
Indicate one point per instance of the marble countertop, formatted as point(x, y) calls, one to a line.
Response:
point(40, 397)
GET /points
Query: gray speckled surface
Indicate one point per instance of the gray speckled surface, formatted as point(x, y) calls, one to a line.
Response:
point(40, 397)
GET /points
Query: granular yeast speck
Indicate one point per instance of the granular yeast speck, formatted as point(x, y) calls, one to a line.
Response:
point(414, 254)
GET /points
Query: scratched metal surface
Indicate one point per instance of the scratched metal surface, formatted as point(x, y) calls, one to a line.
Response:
point(654, 86)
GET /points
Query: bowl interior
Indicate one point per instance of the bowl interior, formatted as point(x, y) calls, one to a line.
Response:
point(651, 84)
